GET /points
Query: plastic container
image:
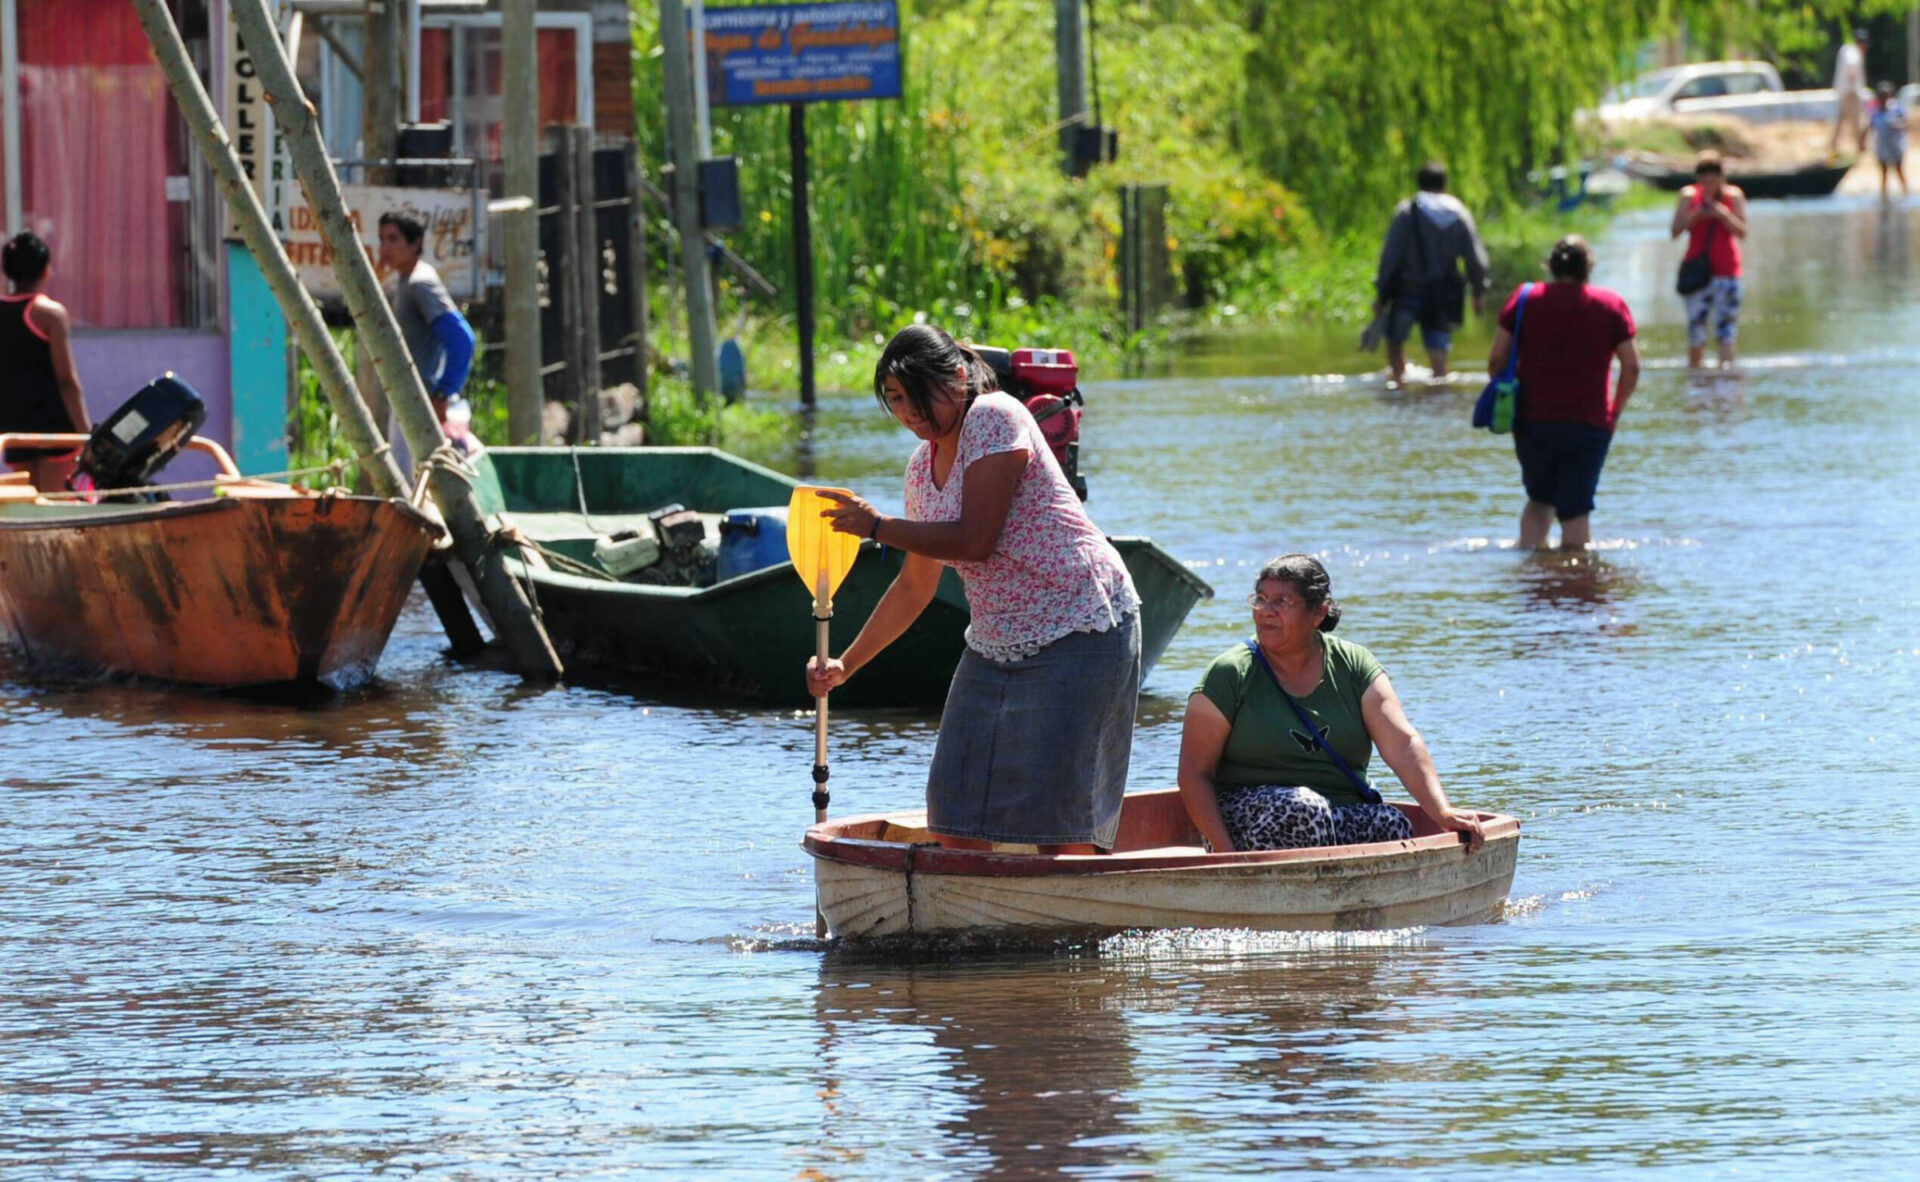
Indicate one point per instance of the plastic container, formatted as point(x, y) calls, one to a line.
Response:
point(623, 553)
point(751, 540)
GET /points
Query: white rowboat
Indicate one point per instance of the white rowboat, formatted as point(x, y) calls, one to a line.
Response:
point(881, 875)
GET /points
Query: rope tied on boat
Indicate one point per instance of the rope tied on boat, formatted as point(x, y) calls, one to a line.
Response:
point(511, 535)
point(443, 459)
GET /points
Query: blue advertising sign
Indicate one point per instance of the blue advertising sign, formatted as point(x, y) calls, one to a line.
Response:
point(803, 53)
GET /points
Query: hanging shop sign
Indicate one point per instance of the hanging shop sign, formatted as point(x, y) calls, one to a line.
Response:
point(802, 53)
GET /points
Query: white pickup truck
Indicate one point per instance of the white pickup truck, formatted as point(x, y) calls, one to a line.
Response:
point(1742, 90)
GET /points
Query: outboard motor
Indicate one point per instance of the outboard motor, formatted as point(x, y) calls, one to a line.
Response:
point(1048, 381)
point(143, 436)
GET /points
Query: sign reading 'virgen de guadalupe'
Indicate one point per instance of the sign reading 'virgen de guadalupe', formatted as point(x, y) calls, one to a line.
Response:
point(803, 53)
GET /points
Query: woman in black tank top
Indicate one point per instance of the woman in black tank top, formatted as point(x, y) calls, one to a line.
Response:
point(39, 387)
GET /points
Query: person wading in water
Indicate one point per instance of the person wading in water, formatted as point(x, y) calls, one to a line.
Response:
point(39, 387)
point(1419, 276)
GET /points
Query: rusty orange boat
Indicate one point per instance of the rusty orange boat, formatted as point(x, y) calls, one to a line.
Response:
point(258, 583)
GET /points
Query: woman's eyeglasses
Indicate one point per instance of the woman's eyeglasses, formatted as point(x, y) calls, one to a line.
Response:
point(1282, 603)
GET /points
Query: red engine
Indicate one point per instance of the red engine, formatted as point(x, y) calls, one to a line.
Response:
point(1048, 381)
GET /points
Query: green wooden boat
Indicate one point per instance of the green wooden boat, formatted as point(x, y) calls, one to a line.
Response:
point(748, 636)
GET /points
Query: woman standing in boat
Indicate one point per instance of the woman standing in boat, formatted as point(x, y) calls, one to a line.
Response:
point(1279, 731)
point(39, 387)
point(1038, 728)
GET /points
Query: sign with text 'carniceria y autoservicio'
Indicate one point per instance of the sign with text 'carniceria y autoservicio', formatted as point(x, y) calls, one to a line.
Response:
point(803, 53)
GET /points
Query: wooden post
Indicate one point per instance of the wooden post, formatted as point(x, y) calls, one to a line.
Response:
point(702, 336)
point(1070, 66)
point(561, 280)
point(587, 283)
point(380, 101)
point(521, 150)
point(637, 280)
point(802, 246)
point(379, 333)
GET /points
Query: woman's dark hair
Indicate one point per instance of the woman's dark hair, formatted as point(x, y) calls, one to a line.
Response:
point(1308, 578)
point(411, 228)
point(923, 359)
point(24, 258)
point(1571, 259)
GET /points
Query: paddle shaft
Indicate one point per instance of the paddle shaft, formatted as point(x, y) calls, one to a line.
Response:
point(822, 618)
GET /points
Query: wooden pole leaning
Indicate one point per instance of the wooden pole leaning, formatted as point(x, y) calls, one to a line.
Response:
point(506, 601)
point(303, 316)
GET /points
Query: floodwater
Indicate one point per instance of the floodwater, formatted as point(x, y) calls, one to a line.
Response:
point(448, 926)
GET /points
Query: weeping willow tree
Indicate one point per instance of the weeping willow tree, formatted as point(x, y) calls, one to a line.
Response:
point(1344, 100)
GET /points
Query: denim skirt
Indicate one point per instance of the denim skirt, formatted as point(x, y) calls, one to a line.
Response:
point(1036, 750)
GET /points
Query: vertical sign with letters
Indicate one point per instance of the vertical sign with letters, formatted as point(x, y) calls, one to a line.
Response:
point(256, 141)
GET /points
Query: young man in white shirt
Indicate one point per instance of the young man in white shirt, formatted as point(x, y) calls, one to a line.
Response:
point(1849, 79)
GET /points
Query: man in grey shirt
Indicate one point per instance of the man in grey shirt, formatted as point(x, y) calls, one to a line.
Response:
point(438, 336)
point(1419, 276)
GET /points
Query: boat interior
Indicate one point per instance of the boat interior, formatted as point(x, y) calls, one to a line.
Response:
point(679, 517)
point(1151, 823)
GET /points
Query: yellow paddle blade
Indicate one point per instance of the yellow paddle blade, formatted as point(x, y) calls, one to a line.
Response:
point(821, 556)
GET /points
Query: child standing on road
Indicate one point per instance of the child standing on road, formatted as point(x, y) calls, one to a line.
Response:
point(1888, 127)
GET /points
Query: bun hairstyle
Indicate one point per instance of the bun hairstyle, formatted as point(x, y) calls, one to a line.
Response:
point(24, 258)
point(923, 359)
point(1308, 579)
point(1572, 259)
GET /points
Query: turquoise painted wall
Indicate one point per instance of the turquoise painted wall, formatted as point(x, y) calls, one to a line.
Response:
point(257, 347)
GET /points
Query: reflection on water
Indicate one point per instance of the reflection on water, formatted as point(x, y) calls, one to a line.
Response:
point(446, 925)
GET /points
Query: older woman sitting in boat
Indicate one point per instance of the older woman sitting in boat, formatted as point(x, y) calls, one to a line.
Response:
point(1038, 728)
point(1280, 728)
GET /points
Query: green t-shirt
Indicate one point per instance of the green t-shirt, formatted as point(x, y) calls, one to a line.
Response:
point(1268, 745)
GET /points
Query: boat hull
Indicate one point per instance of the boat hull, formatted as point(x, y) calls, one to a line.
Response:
point(229, 591)
point(875, 877)
point(1814, 181)
point(747, 637)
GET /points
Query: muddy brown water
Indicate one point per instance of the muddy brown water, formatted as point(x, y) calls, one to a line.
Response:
point(447, 926)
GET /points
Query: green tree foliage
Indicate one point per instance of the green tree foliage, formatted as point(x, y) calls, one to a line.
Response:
point(1344, 100)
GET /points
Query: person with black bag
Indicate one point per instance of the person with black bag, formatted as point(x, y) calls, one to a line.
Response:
point(1713, 215)
point(1419, 277)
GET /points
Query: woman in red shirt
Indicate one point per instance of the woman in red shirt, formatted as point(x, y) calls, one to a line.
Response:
point(1570, 335)
point(1713, 216)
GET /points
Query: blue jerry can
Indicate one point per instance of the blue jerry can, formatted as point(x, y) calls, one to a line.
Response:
point(751, 540)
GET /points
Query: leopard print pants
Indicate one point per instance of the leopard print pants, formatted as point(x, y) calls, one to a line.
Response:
point(1270, 817)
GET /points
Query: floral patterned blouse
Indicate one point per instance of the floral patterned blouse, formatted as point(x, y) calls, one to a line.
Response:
point(1053, 572)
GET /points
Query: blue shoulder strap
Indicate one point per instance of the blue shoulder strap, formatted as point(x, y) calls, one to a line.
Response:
point(1513, 355)
point(1358, 781)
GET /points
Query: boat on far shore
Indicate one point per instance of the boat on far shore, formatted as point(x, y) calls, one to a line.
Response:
point(1813, 180)
point(881, 875)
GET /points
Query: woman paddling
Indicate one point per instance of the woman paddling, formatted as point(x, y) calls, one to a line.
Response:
point(1251, 774)
point(1038, 728)
point(39, 387)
